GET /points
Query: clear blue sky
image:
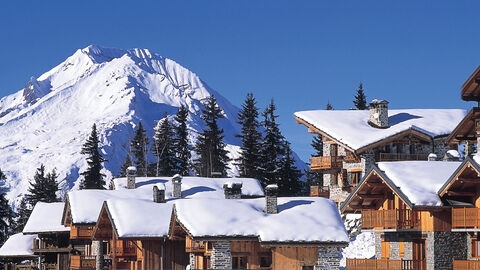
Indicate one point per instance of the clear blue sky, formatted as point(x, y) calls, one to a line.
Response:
point(415, 54)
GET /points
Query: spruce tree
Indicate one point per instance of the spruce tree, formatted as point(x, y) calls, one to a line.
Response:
point(329, 106)
point(6, 212)
point(127, 163)
point(360, 100)
point(289, 183)
point(182, 148)
point(249, 162)
point(23, 213)
point(164, 148)
point(212, 156)
point(43, 188)
point(272, 147)
point(139, 150)
point(317, 145)
point(92, 177)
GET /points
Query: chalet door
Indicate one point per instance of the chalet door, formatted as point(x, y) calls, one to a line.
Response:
point(419, 255)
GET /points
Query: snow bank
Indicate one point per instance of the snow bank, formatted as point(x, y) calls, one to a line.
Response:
point(361, 247)
point(419, 180)
point(318, 219)
point(18, 245)
point(352, 129)
point(46, 217)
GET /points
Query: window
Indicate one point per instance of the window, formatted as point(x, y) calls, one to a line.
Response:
point(355, 177)
point(385, 249)
point(335, 179)
point(239, 262)
point(265, 260)
point(402, 249)
point(475, 247)
point(307, 267)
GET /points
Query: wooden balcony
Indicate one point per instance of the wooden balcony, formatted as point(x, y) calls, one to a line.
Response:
point(326, 163)
point(81, 232)
point(391, 219)
point(123, 249)
point(466, 265)
point(82, 262)
point(320, 191)
point(385, 264)
point(466, 218)
point(44, 247)
point(401, 157)
point(196, 246)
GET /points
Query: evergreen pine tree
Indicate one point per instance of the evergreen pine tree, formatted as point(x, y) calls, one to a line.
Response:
point(317, 145)
point(164, 148)
point(92, 177)
point(212, 156)
point(6, 212)
point(329, 106)
point(249, 161)
point(360, 101)
point(272, 147)
point(127, 163)
point(24, 211)
point(43, 188)
point(139, 150)
point(182, 149)
point(289, 183)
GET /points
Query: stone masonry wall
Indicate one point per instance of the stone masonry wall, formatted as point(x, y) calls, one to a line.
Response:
point(192, 261)
point(449, 246)
point(440, 146)
point(221, 257)
point(378, 245)
point(328, 258)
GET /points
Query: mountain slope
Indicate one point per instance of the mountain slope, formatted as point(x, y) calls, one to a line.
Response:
point(48, 120)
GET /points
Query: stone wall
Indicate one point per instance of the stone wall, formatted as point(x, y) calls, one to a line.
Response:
point(328, 258)
point(448, 246)
point(221, 257)
point(440, 146)
point(192, 261)
point(378, 245)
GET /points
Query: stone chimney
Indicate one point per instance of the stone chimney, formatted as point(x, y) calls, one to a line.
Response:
point(452, 155)
point(131, 174)
point(177, 186)
point(432, 157)
point(158, 194)
point(271, 192)
point(378, 113)
point(232, 190)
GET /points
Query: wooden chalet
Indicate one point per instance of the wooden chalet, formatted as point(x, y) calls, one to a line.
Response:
point(412, 224)
point(354, 140)
point(52, 244)
point(16, 253)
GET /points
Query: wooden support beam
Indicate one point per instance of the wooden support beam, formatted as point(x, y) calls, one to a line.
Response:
point(461, 193)
point(362, 206)
point(372, 196)
point(469, 180)
point(374, 185)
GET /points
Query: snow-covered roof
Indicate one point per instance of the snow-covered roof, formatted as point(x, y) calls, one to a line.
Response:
point(85, 205)
point(351, 127)
point(46, 217)
point(299, 219)
point(419, 181)
point(140, 218)
point(18, 245)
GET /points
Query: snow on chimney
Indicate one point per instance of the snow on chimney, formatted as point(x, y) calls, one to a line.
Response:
point(158, 194)
point(232, 190)
point(271, 192)
point(177, 186)
point(432, 157)
point(131, 174)
point(378, 113)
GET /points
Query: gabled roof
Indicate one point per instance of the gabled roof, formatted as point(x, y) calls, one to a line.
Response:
point(18, 245)
point(465, 130)
point(350, 128)
point(46, 218)
point(471, 88)
point(467, 163)
point(84, 205)
point(304, 220)
point(415, 182)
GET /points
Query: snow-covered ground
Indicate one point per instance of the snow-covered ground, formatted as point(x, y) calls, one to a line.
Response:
point(49, 120)
point(361, 247)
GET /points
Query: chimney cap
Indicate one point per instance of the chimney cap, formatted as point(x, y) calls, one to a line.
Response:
point(177, 178)
point(232, 184)
point(378, 101)
point(272, 186)
point(160, 186)
point(132, 168)
point(432, 157)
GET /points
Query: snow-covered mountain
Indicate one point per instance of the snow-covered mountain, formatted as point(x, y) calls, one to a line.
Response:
point(48, 121)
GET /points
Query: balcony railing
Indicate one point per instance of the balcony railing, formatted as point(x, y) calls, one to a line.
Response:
point(466, 265)
point(82, 262)
point(326, 162)
point(401, 156)
point(81, 232)
point(385, 264)
point(390, 219)
point(123, 249)
point(466, 218)
point(196, 246)
point(320, 191)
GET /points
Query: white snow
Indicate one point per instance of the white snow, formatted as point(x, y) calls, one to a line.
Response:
point(46, 217)
point(361, 247)
point(140, 218)
point(453, 153)
point(85, 205)
point(352, 129)
point(113, 88)
point(419, 180)
point(318, 219)
point(18, 245)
